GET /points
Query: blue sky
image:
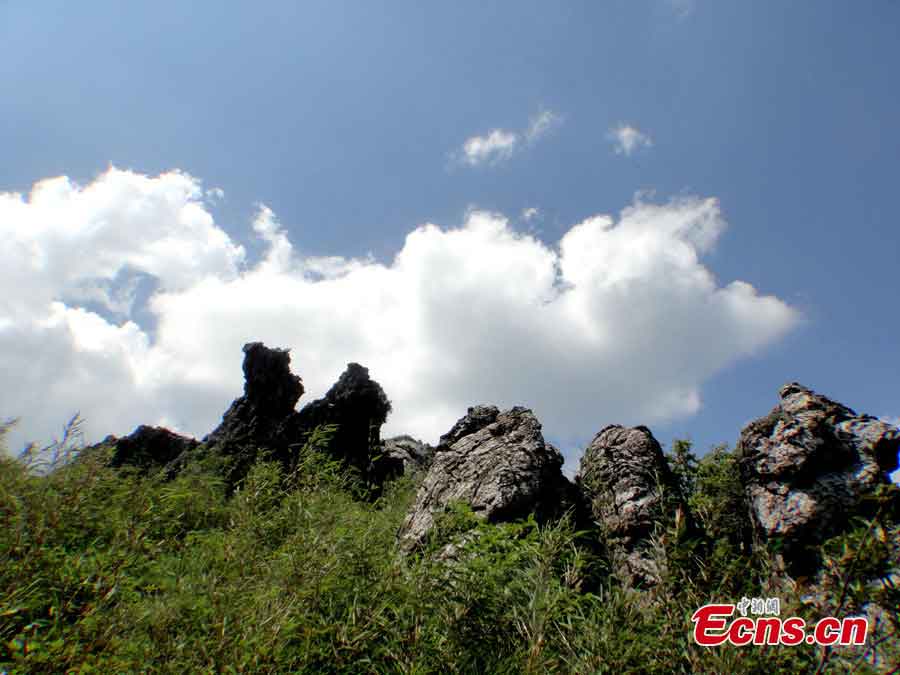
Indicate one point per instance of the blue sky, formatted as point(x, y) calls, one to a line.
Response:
point(349, 122)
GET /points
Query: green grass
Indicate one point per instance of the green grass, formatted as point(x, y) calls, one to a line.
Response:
point(110, 571)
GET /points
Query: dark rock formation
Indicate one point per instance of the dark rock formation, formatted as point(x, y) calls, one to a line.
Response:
point(412, 454)
point(475, 419)
point(807, 467)
point(257, 419)
point(627, 481)
point(148, 447)
point(265, 418)
point(499, 464)
point(358, 406)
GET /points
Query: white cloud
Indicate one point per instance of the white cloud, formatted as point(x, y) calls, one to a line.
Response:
point(620, 322)
point(495, 147)
point(541, 124)
point(530, 213)
point(626, 139)
point(500, 145)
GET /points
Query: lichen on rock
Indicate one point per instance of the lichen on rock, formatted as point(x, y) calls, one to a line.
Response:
point(807, 467)
point(497, 463)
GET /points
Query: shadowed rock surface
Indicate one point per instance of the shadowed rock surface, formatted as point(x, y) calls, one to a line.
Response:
point(476, 418)
point(807, 467)
point(414, 455)
point(148, 447)
point(629, 486)
point(257, 419)
point(265, 418)
point(359, 407)
point(499, 464)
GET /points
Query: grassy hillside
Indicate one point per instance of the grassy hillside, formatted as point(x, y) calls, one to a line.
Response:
point(107, 570)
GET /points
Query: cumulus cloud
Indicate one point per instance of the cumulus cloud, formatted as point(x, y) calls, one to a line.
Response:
point(626, 139)
point(618, 321)
point(500, 145)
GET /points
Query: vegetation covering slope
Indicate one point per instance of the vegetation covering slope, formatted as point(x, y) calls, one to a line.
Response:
point(108, 570)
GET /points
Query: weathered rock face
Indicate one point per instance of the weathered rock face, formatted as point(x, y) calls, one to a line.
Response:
point(806, 468)
point(627, 481)
point(265, 418)
point(269, 385)
point(475, 419)
point(413, 455)
point(358, 406)
point(148, 447)
point(257, 418)
point(498, 463)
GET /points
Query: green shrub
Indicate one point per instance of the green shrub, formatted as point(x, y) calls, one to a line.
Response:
point(295, 569)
